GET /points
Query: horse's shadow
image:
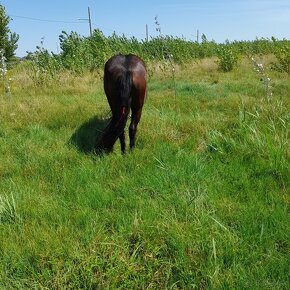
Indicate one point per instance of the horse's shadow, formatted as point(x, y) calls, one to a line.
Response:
point(88, 134)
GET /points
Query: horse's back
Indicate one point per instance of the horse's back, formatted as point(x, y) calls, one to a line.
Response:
point(120, 64)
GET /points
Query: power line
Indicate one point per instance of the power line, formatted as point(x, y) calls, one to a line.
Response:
point(44, 20)
point(80, 21)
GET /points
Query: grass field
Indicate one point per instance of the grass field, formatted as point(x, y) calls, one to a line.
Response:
point(202, 202)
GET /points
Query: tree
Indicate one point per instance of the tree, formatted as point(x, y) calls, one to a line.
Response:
point(8, 40)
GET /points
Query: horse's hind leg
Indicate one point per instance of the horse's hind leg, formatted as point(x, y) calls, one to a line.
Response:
point(136, 115)
point(122, 141)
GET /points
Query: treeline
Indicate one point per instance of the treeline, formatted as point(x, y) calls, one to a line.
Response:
point(79, 53)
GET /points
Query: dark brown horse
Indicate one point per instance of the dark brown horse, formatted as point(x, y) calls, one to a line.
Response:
point(125, 88)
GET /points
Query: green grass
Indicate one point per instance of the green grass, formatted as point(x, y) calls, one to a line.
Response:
point(201, 203)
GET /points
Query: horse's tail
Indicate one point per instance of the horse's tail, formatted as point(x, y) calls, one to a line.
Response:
point(119, 119)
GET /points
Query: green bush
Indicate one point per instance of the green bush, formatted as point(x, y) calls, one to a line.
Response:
point(80, 54)
point(43, 66)
point(227, 58)
point(282, 54)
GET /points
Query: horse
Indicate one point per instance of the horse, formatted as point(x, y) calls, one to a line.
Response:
point(125, 88)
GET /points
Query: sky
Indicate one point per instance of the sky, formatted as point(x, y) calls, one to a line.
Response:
point(219, 20)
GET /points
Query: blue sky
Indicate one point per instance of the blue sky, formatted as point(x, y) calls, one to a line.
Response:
point(217, 19)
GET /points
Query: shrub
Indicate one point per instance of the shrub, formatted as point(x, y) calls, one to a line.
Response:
point(282, 53)
point(227, 57)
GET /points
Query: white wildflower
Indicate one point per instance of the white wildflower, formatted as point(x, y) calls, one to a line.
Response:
point(3, 68)
point(3, 72)
point(259, 68)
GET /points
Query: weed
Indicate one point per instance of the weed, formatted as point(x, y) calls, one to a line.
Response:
point(8, 212)
point(259, 68)
point(3, 73)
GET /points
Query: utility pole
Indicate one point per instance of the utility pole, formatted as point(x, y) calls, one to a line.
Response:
point(146, 32)
point(90, 21)
point(197, 36)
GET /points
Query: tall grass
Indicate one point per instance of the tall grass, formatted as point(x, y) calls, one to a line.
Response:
point(201, 203)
